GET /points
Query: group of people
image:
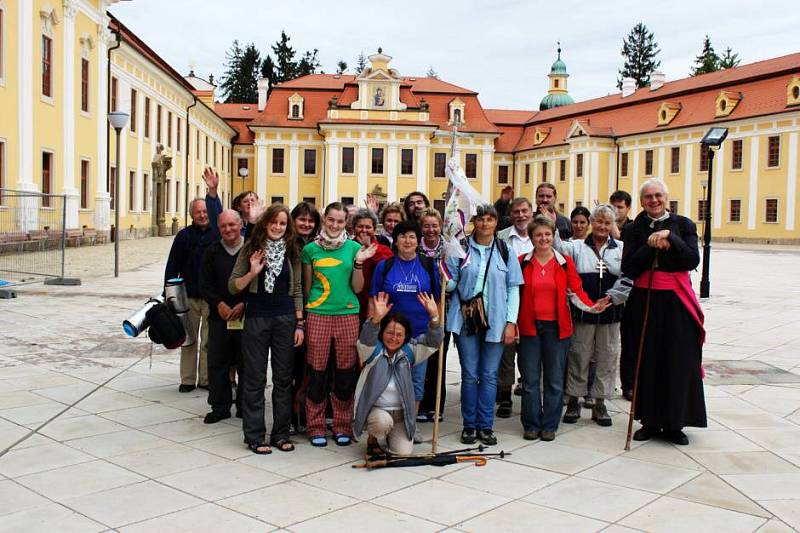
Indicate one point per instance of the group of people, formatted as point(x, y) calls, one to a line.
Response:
point(347, 303)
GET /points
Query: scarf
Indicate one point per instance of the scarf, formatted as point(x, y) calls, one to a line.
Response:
point(387, 235)
point(328, 243)
point(435, 252)
point(274, 254)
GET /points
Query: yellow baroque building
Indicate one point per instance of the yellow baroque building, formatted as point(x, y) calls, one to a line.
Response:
point(326, 137)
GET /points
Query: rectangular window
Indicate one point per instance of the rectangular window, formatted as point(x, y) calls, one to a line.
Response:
point(131, 190)
point(562, 170)
point(47, 66)
point(169, 128)
point(205, 150)
point(47, 177)
point(197, 145)
point(527, 173)
point(736, 211)
point(114, 86)
point(544, 170)
point(214, 153)
point(84, 85)
point(133, 110)
point(774, 152)
point(147, 117)
point(348, 160)
point(771, 212)
point(348, 200)
point(277, 199)
point(309, 161)
point(701, 210)
point(502, 174)
point(673, 206)
point(675, 160)
point(310, 200)
point(377, 160)
point(146, 191)
point(579, 166)
point(439, 163)
point(623, 164)
point(471, 165)
point(703, 159)
point(406, 161)
point(112, 186)
point(439, 205)
point(277, 160)
point(736, 154)
point(648, 163)
point(84, 184)
point(178, 134)
point(158, 124)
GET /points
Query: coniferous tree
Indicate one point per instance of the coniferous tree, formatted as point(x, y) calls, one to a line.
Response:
point(432, 73)
point(308, 64)
point(341, 66)
point(268, 71)
point(639, 49)
point(729, 59)
point(361, 63)
point(285, 65)
point(707, 61)
point(239, 84)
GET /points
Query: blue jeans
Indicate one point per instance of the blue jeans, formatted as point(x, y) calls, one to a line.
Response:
point(418, 379)
point(479, 363)
point(541, 410)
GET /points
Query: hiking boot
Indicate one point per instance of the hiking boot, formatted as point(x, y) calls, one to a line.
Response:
point(573, 411)
point(676, 436)
point(468, 436)
point(487, 437)
point(600, 413)
point(588, 402)
point(504, 409)
point(547, 436)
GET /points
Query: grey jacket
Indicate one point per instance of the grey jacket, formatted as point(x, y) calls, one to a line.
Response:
point(379, 368)
point(242, 267)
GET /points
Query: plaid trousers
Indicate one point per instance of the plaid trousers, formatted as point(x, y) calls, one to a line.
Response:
point(320, 331)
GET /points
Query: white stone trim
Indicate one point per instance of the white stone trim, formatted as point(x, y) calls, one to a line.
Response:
point(688, 180)
point(294, 171)
point(391, 176)
point(752, 194)
point(423, 151)
point(261, 165)
point(791, 182)
point(594, 184)
point(332, 175)
point(571, 181)
point(364, 170)
point(719, 185)
point(635, 182)
point(25, 97)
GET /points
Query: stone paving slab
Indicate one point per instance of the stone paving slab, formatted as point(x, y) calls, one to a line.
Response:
point(134, 455)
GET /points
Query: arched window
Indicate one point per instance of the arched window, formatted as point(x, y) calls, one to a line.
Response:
point(295, 111)
point(457, 116)
point(555, 84)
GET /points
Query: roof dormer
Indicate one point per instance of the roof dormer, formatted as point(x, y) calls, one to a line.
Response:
point(667, 111)
point(379, 86)
point(540, 134)
point(456, 112)
point(578, 129)
point(295, 107)
point(726, 102)
point(793, 91)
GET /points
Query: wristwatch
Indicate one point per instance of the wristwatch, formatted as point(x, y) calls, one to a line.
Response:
point(435, 319)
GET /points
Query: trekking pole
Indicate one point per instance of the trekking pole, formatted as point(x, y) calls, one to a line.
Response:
point(632, 411)
point(440, 370)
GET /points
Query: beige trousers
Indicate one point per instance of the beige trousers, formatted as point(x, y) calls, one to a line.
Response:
point(593, 341)
point(198, 314)
point(391, 426)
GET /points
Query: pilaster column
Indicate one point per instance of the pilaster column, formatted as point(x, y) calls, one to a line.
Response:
point(487, 163)
point(102, 212)
point(28, 215)
point(587, 172)
point(423, 163)
point(687, 182)
point(752, 190)
point(391, 181)
point(68, 171)
point(363, 172)
point(719, 166)
point(635, 191)
point(791, 182)
point(294, 171)
point(612, 172)
point(661, 163)
point(571, 189)
point(261, 165)
point(594, 184)
point(331, 194)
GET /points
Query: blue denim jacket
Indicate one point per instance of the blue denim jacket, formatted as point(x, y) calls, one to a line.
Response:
point(501, 276)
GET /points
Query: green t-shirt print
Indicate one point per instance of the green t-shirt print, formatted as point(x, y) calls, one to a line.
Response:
point(331, 292)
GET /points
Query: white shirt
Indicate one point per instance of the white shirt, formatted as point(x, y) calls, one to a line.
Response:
point(521, 245)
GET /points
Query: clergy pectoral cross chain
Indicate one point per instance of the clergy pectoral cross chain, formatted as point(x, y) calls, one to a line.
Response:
point(601, 266)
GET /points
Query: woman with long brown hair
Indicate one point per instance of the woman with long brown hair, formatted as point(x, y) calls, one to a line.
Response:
point(269, 267)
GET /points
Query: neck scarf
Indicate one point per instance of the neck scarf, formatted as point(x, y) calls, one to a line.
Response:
point(274, 254)
point(326, 242)
point(435, 252)
point(387, 236)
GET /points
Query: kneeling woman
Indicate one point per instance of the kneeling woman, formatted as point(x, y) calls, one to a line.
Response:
point(386, 403)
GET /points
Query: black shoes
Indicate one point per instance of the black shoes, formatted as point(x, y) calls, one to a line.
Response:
point(677, 437)
point(186, 388)
point(573, 411)
point(487, 437)
point(468, 436)
point(214, 416)
point(628, 394)
point(504, 409)
point(646, 433)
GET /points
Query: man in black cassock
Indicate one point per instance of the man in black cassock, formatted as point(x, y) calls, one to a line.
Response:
point(660, 248)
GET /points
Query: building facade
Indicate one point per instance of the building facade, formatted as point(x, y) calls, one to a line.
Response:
point(324, 137)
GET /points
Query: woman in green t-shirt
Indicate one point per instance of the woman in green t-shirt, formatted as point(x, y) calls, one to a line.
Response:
point(332, 276)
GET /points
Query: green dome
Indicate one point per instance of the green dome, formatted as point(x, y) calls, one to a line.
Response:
point(555, 100)
point(559, 67)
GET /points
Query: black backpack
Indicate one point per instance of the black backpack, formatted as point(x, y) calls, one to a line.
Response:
point(165, 327)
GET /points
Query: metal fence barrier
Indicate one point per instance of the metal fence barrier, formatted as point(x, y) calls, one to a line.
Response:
point(33, 239)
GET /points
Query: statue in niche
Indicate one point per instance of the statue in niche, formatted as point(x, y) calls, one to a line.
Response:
point(160, 165)
point(379, 99)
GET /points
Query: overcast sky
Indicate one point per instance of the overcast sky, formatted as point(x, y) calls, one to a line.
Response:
point(501, 49)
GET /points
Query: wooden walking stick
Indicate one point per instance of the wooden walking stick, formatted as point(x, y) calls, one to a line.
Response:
point(440, 370)
point(632, 411)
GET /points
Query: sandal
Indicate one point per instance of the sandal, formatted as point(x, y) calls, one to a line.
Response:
point(319, 441)
point(342, 439)
point(259, 448)
point(283, 445)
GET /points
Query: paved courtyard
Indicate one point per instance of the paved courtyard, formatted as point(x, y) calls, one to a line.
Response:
point(134, 455)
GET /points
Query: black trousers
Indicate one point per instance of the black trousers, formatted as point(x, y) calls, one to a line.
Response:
point(261, 338)
point(224, 351)
point(428, 403)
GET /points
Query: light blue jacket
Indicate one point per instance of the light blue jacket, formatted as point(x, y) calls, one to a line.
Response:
point(503, 278)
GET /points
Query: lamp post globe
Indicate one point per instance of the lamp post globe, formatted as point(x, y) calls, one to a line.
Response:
point(118, 120)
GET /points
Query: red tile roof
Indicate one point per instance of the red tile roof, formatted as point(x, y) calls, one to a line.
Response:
point(236, 111)
point(508, 139)
point(509, 116)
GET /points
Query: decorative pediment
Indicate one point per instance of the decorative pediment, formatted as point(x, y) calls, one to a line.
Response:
point(295, 107)
point(667, 111)
point(726, 102)
point(49, 19)
point(579, 128)
point(540, 134)
point(456, 112)
point(379, 86)
point(87, 44)
point(793, 91)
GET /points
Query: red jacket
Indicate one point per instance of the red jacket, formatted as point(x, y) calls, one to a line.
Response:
point(383, 252)
point(569, 287)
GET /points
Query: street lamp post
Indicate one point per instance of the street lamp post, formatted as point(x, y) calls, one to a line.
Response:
point(243, 174)
point(712, 139)
point(118, 120)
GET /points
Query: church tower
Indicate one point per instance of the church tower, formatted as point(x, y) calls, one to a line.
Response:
point(557, 94)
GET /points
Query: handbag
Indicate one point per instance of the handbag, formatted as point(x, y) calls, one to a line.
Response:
point(473, 310)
